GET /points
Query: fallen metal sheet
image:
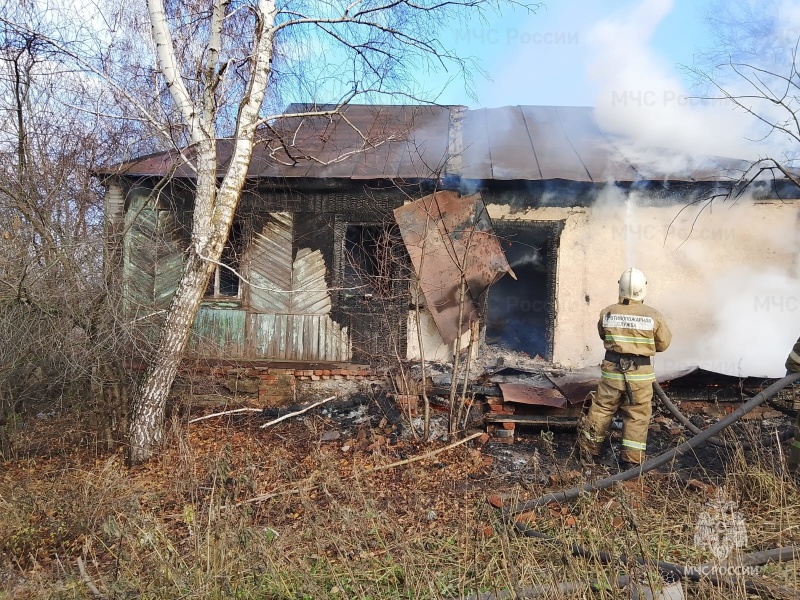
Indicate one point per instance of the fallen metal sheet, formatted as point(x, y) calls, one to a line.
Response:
point(515, 375)
point(447, 234)
point(521, 393)
point(576, 385)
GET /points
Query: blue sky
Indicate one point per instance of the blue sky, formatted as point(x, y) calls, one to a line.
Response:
point(545, 58)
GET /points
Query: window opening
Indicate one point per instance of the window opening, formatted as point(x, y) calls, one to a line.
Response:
point(367, 262)
point(225, 282)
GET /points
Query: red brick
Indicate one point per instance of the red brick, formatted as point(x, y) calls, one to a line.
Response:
point(326, 372)
point(265, 377)
point(495, 500)
point(509, 426)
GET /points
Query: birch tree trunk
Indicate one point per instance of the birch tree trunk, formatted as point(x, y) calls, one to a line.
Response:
point(214, 206)
point(384, 42)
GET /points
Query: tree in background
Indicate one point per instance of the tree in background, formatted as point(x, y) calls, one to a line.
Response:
point(60, 338)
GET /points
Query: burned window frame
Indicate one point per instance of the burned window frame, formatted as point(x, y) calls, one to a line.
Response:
point(553, 229)
point(379, 282)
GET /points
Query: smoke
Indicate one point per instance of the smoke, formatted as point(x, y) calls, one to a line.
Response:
point(726, 277)
point(755, 322)
point(644, 100)
point(532, 258)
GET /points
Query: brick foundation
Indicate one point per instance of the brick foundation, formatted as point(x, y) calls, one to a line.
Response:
point(280, 386)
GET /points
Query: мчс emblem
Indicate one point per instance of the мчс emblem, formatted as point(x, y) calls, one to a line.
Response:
point(720, 527)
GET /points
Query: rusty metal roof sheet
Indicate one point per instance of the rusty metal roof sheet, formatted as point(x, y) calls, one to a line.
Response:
point(575, 385)
point(523, 393)
point(446, 233)
point(411, 142)
point(362, 142)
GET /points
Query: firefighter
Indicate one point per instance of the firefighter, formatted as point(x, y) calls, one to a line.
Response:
point(793, 366)
point(632, 332)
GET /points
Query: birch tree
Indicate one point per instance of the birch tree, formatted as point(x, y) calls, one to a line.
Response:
point(337, 49)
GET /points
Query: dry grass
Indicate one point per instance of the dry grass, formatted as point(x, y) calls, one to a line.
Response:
point(173, 529)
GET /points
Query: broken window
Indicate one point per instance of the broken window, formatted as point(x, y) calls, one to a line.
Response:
point(367, 261)
point(225, 281)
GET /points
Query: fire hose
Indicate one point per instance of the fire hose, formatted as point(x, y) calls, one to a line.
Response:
point(767, 440)
point(661, 459)
point(700, 438)
point(703, 572)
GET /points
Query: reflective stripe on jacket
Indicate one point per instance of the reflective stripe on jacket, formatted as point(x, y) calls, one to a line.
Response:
point(632, 328)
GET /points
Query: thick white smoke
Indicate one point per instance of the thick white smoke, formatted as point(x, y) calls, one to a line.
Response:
point(643, 98)
point(725, 277)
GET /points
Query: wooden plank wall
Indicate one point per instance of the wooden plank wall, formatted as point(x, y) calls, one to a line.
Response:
point(152, 255)
point(219, 332)
point(298, 337)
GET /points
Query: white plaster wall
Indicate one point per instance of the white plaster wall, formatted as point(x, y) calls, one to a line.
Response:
point(435, 349)
point(726, 280)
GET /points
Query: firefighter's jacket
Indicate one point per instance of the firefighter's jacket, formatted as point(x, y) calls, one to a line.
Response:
point(632, 328)
point(793, 362)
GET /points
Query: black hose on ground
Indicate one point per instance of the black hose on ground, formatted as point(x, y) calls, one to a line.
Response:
point(661, 459)
point(705, 572)
point(767, 440)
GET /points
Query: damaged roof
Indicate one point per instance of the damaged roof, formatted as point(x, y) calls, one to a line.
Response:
point(412, 142)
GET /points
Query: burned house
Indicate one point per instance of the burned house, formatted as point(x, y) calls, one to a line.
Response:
point(343, 215)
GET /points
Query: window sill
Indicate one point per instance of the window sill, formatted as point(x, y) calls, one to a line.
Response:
point(221, 302)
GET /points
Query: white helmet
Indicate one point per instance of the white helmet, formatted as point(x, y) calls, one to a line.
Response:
point(633, 285)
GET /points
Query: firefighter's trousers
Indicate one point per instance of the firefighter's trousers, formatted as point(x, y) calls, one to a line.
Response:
point(635, 418)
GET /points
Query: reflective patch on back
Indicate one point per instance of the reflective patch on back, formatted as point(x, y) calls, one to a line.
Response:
point(628, 322)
